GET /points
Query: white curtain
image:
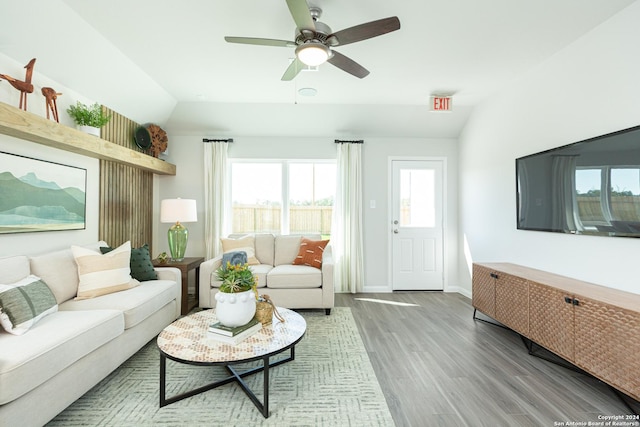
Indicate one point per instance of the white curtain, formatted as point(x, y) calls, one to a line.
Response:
point(346, 228)
point(215, 187)
point(563, 190)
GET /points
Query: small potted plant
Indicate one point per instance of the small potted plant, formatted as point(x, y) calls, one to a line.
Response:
point(88, 119)
point(236, 299)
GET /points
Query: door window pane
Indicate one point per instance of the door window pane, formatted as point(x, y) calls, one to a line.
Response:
point(417, 198)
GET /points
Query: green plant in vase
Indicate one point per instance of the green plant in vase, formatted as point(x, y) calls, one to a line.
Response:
point(88, 116)
point(236, 299)
point(236, 278)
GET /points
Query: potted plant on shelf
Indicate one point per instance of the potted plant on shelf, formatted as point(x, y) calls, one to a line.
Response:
point(236, 299)
point(88, 119)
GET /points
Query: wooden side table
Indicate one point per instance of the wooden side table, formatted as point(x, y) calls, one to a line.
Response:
point(186, 265)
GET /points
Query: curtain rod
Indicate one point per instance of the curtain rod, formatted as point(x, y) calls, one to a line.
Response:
point(341, 141)
point(217, 140)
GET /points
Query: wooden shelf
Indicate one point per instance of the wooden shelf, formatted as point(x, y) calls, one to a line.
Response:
point(24, 125)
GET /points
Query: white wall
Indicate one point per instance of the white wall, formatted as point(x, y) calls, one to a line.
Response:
point(186, 153)
point(588, 89)
point(33, 243)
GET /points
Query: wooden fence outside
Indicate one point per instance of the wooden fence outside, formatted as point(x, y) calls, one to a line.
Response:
point(624, 208)
point(266, 219)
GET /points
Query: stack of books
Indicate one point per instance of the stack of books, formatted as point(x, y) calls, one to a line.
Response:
point(234, 335)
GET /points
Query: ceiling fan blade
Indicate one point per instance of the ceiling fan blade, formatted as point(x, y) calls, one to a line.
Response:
point(260, 42)
point(367, 31)
point(300, 12)
point(348, 65)
point(294, 68)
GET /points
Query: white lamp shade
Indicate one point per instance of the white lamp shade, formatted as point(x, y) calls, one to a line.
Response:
point(178, 210)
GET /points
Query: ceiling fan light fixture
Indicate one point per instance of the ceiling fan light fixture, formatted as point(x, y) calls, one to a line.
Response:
point(313, 53)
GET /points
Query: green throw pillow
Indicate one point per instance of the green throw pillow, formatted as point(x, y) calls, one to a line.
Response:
point(25, 302)
point(140, 264)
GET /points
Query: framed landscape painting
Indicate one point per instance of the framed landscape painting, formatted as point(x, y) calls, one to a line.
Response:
point(36, 195)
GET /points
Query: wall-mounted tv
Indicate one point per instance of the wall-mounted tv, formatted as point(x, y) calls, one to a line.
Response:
point(588, 187)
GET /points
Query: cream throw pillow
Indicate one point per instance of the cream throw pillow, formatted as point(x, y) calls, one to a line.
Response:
point(246, 244)
point(103, 274)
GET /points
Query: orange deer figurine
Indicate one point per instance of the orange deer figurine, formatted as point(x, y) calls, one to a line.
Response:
point(51, 95)
point(25, 86)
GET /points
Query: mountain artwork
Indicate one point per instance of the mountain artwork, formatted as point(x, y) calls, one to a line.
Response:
point(37, 195)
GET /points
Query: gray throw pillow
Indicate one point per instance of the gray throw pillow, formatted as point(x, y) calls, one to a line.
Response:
point(234, 258)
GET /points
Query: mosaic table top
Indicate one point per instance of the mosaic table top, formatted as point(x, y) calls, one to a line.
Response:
point(188, 339)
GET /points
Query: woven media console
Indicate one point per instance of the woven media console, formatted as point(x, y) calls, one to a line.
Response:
point(594, 327)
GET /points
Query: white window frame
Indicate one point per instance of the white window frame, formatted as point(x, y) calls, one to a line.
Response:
point(284, 219)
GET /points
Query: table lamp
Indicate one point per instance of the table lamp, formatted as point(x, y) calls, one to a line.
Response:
point(178, 210)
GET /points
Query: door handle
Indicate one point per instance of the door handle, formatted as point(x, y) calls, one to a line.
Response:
point(395, 231)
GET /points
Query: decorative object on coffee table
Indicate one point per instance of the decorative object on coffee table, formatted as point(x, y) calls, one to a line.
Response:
point(236, 301)
point(178, 210)
point(266, 309)
point(25, 87)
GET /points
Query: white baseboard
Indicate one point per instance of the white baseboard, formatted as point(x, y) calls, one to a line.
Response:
point(377, 289)
point(460, 290)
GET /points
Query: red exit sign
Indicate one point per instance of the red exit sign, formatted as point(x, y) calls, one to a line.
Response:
point(441, 103)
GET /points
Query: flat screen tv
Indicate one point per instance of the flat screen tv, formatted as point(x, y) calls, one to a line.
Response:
point(588, 187)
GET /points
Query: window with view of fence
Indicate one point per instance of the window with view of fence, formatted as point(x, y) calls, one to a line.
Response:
point(290, 197)
point(266, 219)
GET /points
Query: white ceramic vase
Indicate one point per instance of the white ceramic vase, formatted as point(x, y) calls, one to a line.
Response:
point(235, 309)
point(90, 130)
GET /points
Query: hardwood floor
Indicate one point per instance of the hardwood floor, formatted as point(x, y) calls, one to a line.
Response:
point(439, 367)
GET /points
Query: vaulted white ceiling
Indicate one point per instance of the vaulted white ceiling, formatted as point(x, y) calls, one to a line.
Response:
point(167, 62)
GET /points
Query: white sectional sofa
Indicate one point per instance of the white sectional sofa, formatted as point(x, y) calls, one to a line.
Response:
point(288, 285)
point(69, 351)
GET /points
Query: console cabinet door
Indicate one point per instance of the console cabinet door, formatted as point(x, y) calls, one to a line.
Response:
point(484, 290)
point(608, 344)
point(551, 320)
point(512, 302)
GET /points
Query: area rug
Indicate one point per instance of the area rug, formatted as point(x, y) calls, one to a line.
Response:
point(330, 383)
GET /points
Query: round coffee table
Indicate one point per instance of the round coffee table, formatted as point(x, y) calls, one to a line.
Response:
point(188, 341)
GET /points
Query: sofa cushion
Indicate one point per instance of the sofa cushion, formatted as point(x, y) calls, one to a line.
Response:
point(310, 252)
point(53, 344)
point(140, 264)
point(246, 244)
point(264, 248)
point(14, 268)
point(103, 274)
point(137, 303)
point(286, 247)
point(59, 270)
point(25, 302)
point(294, 277)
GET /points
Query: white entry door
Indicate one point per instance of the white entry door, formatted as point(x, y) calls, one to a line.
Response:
point(417, 225)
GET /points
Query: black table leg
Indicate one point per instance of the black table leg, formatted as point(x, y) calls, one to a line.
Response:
point(236, 376)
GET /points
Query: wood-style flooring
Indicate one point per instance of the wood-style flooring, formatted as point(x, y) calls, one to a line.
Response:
point(439, 367)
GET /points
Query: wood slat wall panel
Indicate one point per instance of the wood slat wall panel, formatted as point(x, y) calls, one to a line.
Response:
point(126, 193)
